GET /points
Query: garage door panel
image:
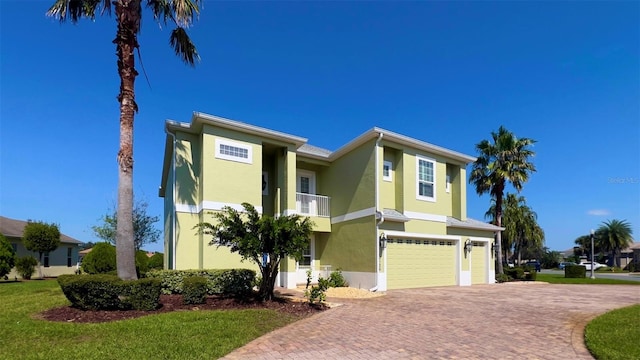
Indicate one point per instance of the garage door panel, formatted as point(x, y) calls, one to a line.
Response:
point(479, 263)
point(420, 263)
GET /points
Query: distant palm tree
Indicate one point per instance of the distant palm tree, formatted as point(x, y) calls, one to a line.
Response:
point(614, 236)
point(521, 230)
point(128, 18)
point(506, 160)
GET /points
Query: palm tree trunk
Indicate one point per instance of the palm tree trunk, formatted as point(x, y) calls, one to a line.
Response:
point(499, 235)
point(128, 14)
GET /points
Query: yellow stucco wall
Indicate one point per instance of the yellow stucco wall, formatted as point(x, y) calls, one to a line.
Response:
point(351, 245)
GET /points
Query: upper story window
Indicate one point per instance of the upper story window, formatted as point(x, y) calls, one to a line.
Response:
point(234, 151)
point(386, 171)
point(426, 178)
point(447, 186)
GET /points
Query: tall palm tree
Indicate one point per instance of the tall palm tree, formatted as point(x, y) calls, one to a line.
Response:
point(506, 160)
point(613, 236)
point(128, 13)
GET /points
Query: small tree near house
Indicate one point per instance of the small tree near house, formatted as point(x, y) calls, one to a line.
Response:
point(251, 236)
point(42, 238)
point(7, 256)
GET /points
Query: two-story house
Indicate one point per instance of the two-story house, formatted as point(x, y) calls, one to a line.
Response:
point(389, 210)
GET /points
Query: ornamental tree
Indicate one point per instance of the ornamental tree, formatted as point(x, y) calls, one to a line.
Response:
point(253, 236)
point(42, 238)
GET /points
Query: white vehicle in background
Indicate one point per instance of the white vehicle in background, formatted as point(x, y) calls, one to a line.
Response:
point(587, 264)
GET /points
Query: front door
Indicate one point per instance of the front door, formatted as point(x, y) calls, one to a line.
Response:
point(306, 189)
point(306, 263)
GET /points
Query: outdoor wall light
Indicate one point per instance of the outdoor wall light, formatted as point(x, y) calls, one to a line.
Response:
point(383, 241)
point(468, 246)
point(493, 248)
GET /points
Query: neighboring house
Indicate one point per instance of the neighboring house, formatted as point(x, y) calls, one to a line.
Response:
point(390, 211)
point(63, 260)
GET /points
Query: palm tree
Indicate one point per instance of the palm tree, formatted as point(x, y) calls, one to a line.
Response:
point(506, 160)
point(128, 18)
point(521, 230)
point(613, 236)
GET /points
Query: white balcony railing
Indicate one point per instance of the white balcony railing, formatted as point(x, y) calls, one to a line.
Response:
point(312, 205)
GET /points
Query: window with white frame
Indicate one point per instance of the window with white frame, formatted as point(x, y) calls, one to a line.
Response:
point(447, 187)
point(387, 167)
point(234, 151)
point(426, 178)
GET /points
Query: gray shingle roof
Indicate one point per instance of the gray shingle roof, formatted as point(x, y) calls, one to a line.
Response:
point(14, 228)
point(394, 215)
point(471, 224)
point(314, 150)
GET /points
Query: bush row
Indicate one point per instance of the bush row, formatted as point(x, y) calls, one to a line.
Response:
point(108, 292)
point(219, 282)
point(527, 273)
point(575, 271)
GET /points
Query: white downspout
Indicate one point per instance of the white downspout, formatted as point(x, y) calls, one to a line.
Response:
point(173, 202)
point(377, 200)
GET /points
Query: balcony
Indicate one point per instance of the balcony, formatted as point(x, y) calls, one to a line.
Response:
point(313, 205)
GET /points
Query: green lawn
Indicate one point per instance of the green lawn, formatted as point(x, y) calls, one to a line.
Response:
point(175, 335)
point(615, 335)
point(560, 279)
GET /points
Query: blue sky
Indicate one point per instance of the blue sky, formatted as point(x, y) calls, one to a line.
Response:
point(566, 74)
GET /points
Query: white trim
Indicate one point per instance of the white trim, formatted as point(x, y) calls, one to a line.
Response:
point(433, 183)
point(288, 212)
point(403, 234)
point(465, 278)
point(247, 147)
point(353, 215)
point(211, 205)
point(425, 216)
point(388, 177)
point(361, 280)
point(186, 208)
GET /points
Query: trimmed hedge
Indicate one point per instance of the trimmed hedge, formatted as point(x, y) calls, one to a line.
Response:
point(26, 266)
point(575, 271)
point(232, 282)
point(108, 292)
point(194, 290)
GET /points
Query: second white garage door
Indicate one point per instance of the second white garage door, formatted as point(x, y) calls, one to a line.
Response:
point(415, 263)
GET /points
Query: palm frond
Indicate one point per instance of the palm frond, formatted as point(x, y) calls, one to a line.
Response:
point(74, 10)
point(182, 45)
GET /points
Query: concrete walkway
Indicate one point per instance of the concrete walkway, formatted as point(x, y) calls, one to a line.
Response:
point(502, 321)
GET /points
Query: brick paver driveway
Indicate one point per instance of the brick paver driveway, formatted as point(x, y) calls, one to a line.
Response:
point(504, 321)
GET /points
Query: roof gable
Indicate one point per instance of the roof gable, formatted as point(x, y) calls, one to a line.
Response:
point(14, 228)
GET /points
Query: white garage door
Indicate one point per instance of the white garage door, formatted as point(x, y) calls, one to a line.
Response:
point(479, 263)
point(420, 263)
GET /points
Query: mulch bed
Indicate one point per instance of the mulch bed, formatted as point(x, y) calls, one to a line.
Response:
point(174, 303)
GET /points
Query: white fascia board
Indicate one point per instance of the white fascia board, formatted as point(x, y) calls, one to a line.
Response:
point(199, 118)
point(424, 216)
point(211, 205)
point(403, 234)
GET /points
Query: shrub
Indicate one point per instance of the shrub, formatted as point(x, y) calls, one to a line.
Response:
point(336, 279)
point(194, 290)
point(575, 271)
point(142, 263)
point(632, 267)
point(143, 294)
point(501, 278)
point(516, 273)
point(531, 275)
point(7, 256)
point(101, 259)
point(92, 292)
point(108, 292)
point(219, 282)
point(26, 266)
point(156, 262)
